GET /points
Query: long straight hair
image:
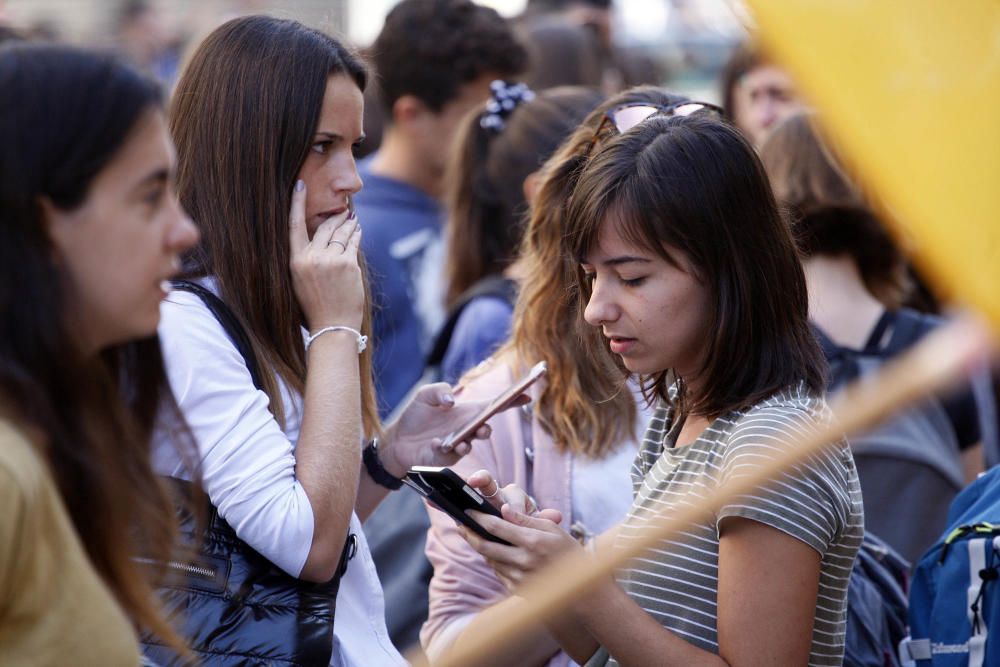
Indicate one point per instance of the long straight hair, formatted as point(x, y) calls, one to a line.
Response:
point(64, 115)
point(695, 185)
point(243, 116)
point(585, 405)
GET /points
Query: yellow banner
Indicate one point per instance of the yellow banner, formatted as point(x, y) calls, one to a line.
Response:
point(909, 92)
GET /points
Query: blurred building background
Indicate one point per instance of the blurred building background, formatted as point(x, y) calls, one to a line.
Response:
point(687, 40)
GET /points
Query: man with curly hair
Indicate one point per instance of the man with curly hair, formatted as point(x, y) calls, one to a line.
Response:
point(434, 61)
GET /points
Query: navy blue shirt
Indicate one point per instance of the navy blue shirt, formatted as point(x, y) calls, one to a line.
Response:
point(401, 239)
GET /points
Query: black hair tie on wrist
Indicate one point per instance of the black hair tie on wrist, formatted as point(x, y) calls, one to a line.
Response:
point(375, 468)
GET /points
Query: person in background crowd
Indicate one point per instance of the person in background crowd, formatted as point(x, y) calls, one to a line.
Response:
point(434, 60)
point(490, 182)
point(144, 39)
point(857, 282)
point(678, 237)
point(756, 93)
point(90, 228)
point(270, 189)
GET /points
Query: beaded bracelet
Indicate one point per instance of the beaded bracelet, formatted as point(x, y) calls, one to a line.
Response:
point(362, 340)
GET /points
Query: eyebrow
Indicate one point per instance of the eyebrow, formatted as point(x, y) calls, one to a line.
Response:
point(334, 136)
point(618, 261)
point(158, 176)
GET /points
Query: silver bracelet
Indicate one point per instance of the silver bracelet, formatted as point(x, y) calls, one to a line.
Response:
point(362, 340)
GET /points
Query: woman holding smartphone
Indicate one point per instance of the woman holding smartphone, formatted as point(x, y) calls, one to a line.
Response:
point(575, 449)
point(691, 277)
point(90, 228)
point(266, 115)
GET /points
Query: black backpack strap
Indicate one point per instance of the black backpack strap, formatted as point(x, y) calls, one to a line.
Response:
point(495, 286)
point(874, 343)
point(230, 324)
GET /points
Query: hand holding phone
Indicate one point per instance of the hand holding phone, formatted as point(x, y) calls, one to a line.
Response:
point(498, 404)
point(450, 493)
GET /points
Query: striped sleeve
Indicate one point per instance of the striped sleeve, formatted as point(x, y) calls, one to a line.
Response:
point(810, 502)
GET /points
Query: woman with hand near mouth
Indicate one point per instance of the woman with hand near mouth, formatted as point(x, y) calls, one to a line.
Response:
point(266, 116)
point(688, 271)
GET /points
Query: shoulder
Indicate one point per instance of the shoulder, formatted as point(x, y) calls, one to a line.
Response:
point(23, 473)
point(789, 413)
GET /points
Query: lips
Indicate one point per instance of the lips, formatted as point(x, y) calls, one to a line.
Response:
point(621, 344)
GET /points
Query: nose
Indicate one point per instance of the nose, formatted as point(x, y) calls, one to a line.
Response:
point(600, 308)
point(345, 179)
point(182, 234)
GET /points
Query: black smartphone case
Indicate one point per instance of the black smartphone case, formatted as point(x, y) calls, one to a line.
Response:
point(450, 493)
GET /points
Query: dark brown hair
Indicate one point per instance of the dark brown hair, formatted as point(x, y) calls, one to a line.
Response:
point(484, 188)
point(244, 115)
point(431, 48)
point(694, 185)
point(828, 212)
point(745, 57)
point(65, 115)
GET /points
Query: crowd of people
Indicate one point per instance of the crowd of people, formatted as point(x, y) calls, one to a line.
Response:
point(227, 337)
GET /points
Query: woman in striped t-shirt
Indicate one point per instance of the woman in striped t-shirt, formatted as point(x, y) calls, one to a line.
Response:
point(692, 277)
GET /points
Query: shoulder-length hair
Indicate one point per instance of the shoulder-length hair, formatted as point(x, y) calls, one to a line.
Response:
point(585, 405)
point(64, 116)
point(243, 115)
point(695, 185)
point(829, 213)
point(484, 184)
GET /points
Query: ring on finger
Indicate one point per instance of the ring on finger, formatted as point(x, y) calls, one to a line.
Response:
point(340, 243)
point(496, 490)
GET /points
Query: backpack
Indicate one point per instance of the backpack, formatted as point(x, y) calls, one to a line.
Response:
point(909, 466)
point(495, 286)
point(955, 599)
point(232, 605)
point(876, 605)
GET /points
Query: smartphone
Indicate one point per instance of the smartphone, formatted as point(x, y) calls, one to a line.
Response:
point(498, 404)
point(450, 493)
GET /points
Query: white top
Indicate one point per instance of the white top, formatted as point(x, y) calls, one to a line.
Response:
point(248, 469)
point(602, 488)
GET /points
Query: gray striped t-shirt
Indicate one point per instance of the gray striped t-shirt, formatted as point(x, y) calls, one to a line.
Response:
point(818, 502)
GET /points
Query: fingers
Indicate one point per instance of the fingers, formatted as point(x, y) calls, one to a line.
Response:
point(298, 235)
point(335, 232)
point(483, 482)
point(438, 394)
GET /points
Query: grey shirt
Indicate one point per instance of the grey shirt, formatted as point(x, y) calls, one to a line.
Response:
point(818, 502)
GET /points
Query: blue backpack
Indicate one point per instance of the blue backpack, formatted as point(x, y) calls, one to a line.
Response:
point(954, 595)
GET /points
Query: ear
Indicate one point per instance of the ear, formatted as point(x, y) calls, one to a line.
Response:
point(407, 110)
point(530, 186)
point(57, 224)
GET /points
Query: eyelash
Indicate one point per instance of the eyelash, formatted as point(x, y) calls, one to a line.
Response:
point(634, 282)
point(321, 147)
point(154, 197)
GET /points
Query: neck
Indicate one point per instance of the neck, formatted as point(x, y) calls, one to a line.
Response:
point(401, 160)
point(839, 302)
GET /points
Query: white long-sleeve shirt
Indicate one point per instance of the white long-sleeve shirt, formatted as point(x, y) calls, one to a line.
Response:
point(248, 470)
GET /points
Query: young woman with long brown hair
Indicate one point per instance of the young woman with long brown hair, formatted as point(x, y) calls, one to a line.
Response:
point(575, 449)
point(90, 228)
point(265, 117)
point(692, 278)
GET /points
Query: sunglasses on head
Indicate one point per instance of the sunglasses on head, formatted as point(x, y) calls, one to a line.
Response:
point(624, 118)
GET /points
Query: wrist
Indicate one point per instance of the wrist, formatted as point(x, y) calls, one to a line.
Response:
point(381, 468)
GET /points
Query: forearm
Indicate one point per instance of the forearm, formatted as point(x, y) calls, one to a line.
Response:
point(370, 494)
point(531, 648)
point(327, 455)
point(632, 636)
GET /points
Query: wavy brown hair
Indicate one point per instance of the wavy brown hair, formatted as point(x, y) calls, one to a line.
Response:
point(585, 404)
point(243, 116)
point(65, 115)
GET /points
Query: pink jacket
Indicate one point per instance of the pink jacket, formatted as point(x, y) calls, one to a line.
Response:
point(463, 583)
